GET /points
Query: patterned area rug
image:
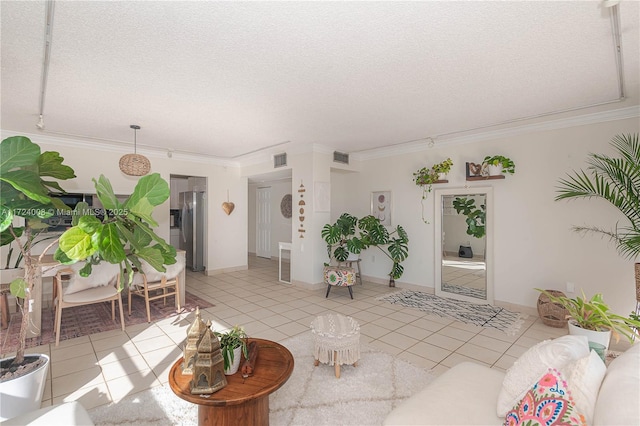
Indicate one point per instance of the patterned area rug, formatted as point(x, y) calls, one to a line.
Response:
point(469, 313)
point(89, 319)
point(363, 395)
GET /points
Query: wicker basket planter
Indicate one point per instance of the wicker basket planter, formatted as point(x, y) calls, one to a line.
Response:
point(552, 314)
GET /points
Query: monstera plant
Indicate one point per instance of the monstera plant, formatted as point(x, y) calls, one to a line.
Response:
point(341, 240)
point(122, 235)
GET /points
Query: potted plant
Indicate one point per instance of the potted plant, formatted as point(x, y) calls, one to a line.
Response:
point(594, 316)
point(499, 164)
point(615, 180)
point(426, 177)
point(341, 240)
point(443, 169)
point(26, 191)
point(233, 343)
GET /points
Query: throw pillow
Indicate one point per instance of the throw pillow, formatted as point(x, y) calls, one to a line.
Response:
point(585, 377)
point(102, 274)
point(620, 391)
point(549, 402)
point(534, 363)
point(153, 275)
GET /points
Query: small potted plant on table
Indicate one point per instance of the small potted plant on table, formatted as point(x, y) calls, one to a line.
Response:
point(233, 343)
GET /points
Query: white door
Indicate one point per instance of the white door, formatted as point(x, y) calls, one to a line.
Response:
point(263, 225)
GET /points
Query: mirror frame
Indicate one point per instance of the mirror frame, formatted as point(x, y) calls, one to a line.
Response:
point(438, 194)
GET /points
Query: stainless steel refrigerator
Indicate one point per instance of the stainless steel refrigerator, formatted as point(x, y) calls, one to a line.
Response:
point(193, 228)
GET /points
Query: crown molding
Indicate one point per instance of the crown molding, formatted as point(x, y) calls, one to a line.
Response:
point(119, 147)
point(581, 120)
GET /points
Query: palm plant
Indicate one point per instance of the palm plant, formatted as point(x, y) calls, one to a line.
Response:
point(617, 181)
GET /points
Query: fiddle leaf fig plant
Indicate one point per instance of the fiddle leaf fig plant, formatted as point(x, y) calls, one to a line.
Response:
point(123, 236)
point(341, 240)
point(26, 191)
point(475, 216)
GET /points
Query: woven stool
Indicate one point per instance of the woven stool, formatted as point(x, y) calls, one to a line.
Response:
point(336, 341)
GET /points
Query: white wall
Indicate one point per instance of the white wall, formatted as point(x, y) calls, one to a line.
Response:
point(534, 244)
point(280, 226)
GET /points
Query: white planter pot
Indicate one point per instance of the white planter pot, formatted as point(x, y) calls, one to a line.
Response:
point(442, 176)
point(23, 394)
point(233, 368)
point(494, 170)
point(602, 337)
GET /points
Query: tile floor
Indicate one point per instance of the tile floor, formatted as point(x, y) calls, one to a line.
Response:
point(106, 367)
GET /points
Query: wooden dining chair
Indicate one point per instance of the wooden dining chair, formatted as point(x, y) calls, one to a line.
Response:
point(151, 285)
point(73, 290)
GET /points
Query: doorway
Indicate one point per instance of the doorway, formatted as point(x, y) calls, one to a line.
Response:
point(263, 222)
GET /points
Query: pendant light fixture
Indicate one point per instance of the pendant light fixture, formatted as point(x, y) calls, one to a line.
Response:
point(135, 164)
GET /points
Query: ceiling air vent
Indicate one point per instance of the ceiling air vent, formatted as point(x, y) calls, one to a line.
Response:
point(340, 157)
point(279, 160)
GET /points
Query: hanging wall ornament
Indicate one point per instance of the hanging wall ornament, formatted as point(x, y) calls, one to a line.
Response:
point(285, 206)
point(301, 203)
point(228, 206)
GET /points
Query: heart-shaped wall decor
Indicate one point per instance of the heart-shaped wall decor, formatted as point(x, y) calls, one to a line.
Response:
point(228, 207)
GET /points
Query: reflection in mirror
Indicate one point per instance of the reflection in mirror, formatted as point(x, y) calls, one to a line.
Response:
point(464, 229)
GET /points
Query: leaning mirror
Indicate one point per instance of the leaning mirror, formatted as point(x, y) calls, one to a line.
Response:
point(464, 244)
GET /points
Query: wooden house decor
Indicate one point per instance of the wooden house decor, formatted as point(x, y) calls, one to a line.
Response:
point(194, 335)
point(208, 367)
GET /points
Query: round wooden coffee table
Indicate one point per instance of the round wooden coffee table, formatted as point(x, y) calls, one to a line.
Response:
point(242, 401)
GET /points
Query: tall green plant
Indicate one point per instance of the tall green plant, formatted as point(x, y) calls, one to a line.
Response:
point(476, 217)
point(341, 240)
point(617, 181)
point(123, 236)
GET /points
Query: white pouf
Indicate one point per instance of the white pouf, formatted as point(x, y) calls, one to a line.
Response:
point(336, 340)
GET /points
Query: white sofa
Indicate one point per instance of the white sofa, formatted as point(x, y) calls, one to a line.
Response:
point(468, 394)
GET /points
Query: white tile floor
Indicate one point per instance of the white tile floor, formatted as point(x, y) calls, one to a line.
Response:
point(107, 367)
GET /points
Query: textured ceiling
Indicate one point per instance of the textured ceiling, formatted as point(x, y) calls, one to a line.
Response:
point(228, 78)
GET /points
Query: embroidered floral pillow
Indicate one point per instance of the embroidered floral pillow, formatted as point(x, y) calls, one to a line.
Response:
point(548, 402)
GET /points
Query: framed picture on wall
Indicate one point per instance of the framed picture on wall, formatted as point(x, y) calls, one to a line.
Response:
point(381, 206)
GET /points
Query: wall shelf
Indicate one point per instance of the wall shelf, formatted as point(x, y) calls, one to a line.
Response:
point(484, 177)
point(442, 181)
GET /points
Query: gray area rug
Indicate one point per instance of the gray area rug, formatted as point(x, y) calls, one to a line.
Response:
point(363, 395)
point(466, 312)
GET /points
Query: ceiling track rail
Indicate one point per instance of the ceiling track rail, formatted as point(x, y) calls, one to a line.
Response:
point(48, 40)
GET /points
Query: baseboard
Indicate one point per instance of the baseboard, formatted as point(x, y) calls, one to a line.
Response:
point(212, 272)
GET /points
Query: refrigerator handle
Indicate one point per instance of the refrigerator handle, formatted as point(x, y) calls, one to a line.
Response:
point(184, 215)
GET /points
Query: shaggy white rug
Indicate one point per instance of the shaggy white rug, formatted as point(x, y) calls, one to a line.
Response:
point(363, 395)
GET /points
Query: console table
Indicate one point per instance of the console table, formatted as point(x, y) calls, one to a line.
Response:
point(242, 401)
point(283, 246)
